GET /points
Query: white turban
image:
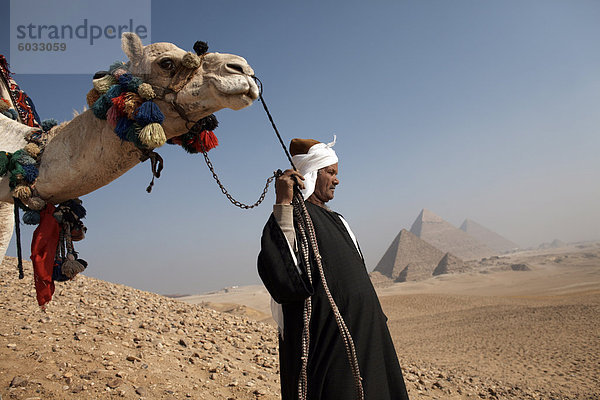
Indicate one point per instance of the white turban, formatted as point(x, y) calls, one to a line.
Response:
point(319, 156)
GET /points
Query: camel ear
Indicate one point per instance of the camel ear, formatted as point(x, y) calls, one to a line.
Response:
point(132, 46)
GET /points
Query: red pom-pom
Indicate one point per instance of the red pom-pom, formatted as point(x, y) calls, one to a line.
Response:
point(209, 140)
point(119, 104)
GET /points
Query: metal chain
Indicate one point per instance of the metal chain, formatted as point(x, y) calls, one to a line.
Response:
point(230, 197)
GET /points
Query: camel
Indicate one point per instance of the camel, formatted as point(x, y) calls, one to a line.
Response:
point(85, 154)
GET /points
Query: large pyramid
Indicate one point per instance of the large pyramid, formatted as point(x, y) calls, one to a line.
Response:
point(445, 237)
point(408, 250)
point(490, 238)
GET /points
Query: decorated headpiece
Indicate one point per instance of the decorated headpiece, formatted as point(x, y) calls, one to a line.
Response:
point(126, 102)
point(309, 156)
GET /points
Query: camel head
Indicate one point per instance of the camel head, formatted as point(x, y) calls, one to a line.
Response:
point(189, 87)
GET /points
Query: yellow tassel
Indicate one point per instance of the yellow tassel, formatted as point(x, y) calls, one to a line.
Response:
point(104, 83)
point(145, 90)
point(91, 97)
point(32, 149)
point(132, 102)
point(22, 192)
point(190, 60)
point(152, 136)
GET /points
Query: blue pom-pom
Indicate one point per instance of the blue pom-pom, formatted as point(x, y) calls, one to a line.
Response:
point(31, 217)
point(31, 173)
point(133, 85)
point(57, 274)
point(48, 124)
point(11, 113)
point(114, 91)
point(101, 106)
point(125, 80)
point(76, 208)
point(149, 113)
point(123, 126)
point(116, 65)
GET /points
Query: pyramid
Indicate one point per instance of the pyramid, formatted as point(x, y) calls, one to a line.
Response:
point(449, 264)
point(444, 236)
point(490, 238)
point(407, 249)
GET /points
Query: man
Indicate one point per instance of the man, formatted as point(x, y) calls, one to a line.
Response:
point(329, 375)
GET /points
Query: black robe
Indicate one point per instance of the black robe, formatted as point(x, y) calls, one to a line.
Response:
point(329, 373)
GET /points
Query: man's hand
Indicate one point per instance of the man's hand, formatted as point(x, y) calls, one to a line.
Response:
point(284, 186)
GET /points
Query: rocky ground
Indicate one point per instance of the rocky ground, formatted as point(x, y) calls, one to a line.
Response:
point(98, 340)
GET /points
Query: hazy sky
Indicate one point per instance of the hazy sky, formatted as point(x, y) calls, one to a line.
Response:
point(488, 110)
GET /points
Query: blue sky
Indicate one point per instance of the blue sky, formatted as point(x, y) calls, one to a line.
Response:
point(473, 109)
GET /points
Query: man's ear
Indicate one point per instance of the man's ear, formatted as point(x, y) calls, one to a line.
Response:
point(132, 47)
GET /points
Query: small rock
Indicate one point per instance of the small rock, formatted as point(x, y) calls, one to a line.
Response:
point(11, 346)
point(113, 383)
point(182, 342)
point(141, 391)
point(207, 346)
point(19, 381)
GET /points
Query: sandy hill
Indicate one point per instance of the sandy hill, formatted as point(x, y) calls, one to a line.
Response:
point(409, 258)
point(488, 237)
point(99, 340)
point(445, 237)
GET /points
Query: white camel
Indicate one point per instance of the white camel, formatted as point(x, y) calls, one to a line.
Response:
point(85, 154)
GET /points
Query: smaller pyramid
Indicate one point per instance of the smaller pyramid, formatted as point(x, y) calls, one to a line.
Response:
point(449, 264)
point(415, 271)
point(407, 249)
point(488, 237)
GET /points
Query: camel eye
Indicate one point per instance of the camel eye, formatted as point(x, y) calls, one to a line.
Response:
point(167, 64)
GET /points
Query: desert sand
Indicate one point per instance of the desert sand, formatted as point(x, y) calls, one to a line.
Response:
point(493, 332)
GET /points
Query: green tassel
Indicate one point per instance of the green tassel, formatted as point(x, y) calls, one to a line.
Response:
point(4, 161)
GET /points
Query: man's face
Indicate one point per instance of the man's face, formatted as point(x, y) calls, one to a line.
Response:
point(326, 182)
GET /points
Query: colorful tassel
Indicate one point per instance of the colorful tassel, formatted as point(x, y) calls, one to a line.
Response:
point(22, 192)
point(32, 149)
point(115, 66)
point(31, 217)
point(70, 268)
point(129, 83)
point(133, 136)
point(103, 84)
point(152, 135)
point(92, 96)
point(119, 104)
point(209, 140)
point(123, 125)
point(145, 90)
point(48, 124)
point(132, 102)
point(114, 91)
point(23, 158)
point(149, 113)
point(31, 173)
point(11, 113)
point(118, 72)
point(4, 161)
point(112, 116)
point(101, 106)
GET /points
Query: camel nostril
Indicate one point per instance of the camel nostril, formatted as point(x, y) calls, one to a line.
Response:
point(236, 67)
